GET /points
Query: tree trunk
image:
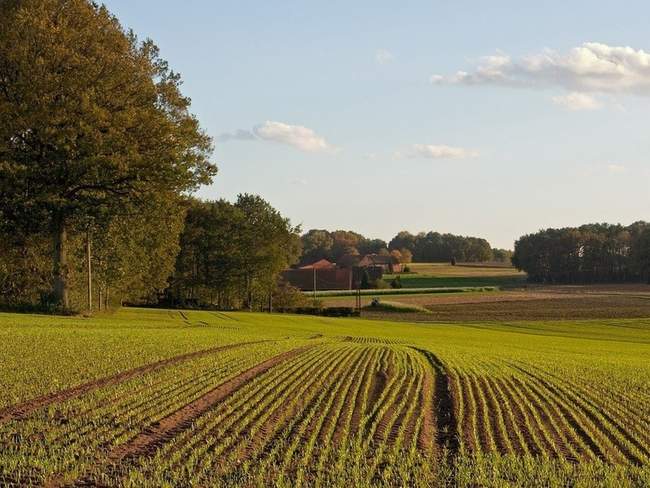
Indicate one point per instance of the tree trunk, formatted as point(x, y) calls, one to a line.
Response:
point(90, 272)
point(60, 264)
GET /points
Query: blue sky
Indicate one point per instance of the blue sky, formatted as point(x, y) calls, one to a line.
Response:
point(353, 115)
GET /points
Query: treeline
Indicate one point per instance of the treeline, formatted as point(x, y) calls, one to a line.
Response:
point(593, 253)
point(406, 247)
point(339, 245)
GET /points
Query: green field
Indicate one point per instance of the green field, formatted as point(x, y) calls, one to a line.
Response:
point(435, 275)
point(169, 398)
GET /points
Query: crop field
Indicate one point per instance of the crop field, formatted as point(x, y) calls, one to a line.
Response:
point(197, 398)
point(432, 275)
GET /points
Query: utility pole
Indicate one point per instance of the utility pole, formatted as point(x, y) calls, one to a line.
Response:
point(90, 271)
point(314, 286)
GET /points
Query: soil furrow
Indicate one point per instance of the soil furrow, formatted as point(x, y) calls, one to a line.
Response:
point(442, 409)
point(149, 440)
point(22, 410)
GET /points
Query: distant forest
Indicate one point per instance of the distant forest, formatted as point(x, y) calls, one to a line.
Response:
point(593, 253)
point(406, 247)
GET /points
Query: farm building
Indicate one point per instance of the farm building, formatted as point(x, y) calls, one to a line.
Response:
point(322, 264)
point(306, 278)
point(388, 263)
point(325, 275)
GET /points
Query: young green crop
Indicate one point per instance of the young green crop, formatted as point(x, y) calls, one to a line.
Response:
point(340, 401)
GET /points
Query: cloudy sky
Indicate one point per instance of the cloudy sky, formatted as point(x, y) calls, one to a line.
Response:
point(478, 118)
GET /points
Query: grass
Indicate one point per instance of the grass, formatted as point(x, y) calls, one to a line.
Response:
point(303, 401)
point(402, 291)
point(431, 275)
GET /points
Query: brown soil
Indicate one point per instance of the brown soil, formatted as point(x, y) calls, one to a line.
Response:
point(21, 410)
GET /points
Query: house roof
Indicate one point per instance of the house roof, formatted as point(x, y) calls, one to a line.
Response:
point(322, 264)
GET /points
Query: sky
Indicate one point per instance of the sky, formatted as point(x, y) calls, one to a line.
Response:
point(492, 119)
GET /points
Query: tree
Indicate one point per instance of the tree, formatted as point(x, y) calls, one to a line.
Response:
point(372, 246)
point(641, 254)
point(344, 241)
point(91, 120)
point(397, 256)
point(407, 256)
point(589, 253)
point(403, 240)
point(231, 253)
point(317, 244)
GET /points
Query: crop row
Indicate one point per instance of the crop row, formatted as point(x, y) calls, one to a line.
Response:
point(289, 422)
point(518, 409)
point(60, 442)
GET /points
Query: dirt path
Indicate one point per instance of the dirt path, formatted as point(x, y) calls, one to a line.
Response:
point(445, 418)
point(21, 410)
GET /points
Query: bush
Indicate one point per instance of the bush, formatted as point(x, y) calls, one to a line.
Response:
point(396, 283)
point(325, 312)
point(379, 284)
point(287, 296)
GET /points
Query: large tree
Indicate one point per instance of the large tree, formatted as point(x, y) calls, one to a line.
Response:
point(91, 120)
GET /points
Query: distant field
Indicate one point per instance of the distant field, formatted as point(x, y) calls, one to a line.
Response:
point(402, 291)
point(429, 275)
point(183, 398)
point(526, 303)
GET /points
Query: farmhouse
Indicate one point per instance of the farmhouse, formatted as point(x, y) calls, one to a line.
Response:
point(344, 275)
point(313, 277)
point(387, 263)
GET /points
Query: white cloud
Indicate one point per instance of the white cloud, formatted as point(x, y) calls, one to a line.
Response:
point(431, 151)
point(297, 136)
point(299, 181)
point(383, 56)
point(591, 67)
point(238, 135)
point(577, 101)
point(616, 169)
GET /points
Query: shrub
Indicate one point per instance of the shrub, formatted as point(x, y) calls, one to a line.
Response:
point(379, 284)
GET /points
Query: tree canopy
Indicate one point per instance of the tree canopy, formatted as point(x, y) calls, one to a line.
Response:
point(92, 122)
point(231, 254)
point(587, 254)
